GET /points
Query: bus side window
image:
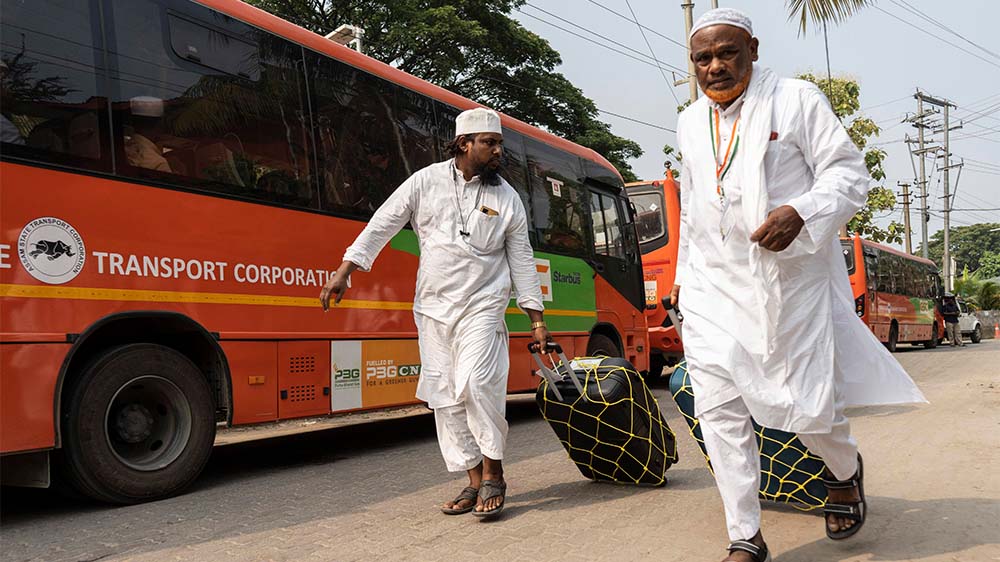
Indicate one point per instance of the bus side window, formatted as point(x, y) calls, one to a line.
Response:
point(220, 106)
point(514, 170)
point(559, 201)
point(361, 153)
point(52, 106)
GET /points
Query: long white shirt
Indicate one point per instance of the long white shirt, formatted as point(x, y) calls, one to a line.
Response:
point(458, 274)
point(810, 163)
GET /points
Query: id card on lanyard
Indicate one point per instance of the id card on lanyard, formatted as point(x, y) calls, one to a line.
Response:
point(727, 221)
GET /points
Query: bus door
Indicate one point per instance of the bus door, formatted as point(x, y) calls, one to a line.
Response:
point(616, 249)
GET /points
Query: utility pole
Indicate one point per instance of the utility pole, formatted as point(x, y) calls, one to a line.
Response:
point(946, 105)
point(688, 7)
point(906, 216)
point(918, 122)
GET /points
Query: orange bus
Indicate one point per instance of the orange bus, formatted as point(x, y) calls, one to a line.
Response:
point(895, 293)
point(657, 205)
point(179, 179)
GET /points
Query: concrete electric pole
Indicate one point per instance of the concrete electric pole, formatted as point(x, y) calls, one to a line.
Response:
point(688, 8)
point(946, 106)
point(906, 216)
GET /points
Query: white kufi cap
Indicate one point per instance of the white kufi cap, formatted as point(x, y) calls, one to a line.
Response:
point(723, 16)
point(478, 120)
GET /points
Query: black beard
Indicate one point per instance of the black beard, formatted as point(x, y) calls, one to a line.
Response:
point(490, 175)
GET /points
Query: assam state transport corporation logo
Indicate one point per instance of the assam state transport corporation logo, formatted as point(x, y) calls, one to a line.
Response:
point(51, 250)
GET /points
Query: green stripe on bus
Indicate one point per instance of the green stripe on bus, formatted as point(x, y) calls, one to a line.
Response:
point(572, 288)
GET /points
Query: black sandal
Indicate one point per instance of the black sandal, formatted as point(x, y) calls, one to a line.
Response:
point(758, 553)
point(469, 494)
point(488, 490)
point(854, 511)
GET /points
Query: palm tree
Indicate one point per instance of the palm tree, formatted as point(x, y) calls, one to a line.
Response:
point(823, 11)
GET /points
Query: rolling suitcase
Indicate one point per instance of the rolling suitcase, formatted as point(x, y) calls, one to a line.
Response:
point(606, 418)
point(789, 473)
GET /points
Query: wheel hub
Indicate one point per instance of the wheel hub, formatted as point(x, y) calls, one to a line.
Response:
point(135, 423)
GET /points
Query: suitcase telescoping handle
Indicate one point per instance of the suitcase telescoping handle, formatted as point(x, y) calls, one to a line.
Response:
point(675, 318)
point(552, 373)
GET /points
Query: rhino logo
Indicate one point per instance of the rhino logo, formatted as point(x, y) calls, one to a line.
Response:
point(53, 250)
point(58, 243)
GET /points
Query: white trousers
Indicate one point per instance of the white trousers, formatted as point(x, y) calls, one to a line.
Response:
point(464, 379)
point(732, 447)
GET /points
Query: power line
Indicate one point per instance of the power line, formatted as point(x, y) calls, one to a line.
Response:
point(634, 120)
point(649, 29)
point(653, 54)
point(913, 10)
point(646, 60)
point(922, 30)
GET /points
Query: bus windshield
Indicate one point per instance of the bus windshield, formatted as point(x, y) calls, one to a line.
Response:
point(650, 221)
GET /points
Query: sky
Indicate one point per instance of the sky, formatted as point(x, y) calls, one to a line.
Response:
point(888, 57)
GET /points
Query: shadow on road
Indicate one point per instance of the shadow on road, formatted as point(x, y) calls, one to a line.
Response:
point(901, 530)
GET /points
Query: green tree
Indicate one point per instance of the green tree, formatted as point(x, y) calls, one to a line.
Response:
point(473, 48)
point(845, 98)
point(989, 265)
point(968, 244)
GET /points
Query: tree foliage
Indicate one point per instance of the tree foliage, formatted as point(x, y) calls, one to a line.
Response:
point(968, 244)
point(823, 11)
point(845, 99)
point(473, 48)
point(989, 264)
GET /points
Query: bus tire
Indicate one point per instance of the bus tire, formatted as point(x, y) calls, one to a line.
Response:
point(600, 344)
point(893, 337)
point(977, 334)
point(140, 425)
point(933, 342)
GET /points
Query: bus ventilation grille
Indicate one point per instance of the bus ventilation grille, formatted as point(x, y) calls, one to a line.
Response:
point(302, 393)
point(302, 364)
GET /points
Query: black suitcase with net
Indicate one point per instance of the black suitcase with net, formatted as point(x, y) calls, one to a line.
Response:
point(606, 418)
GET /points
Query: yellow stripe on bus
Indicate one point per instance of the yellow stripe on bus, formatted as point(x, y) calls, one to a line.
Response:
point(140, 295)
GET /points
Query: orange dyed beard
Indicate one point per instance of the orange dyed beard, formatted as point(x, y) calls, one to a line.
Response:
point(726, 96)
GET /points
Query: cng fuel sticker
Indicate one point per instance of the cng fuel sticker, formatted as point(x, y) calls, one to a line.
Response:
point(373, 373)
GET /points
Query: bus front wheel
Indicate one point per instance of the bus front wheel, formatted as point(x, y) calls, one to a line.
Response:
point(140, 425)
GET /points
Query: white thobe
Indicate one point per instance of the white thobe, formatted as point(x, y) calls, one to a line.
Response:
point(811, 164)
point(787, 349)
point(464, 284)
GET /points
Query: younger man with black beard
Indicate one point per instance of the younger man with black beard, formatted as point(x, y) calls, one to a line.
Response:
point(473, 236)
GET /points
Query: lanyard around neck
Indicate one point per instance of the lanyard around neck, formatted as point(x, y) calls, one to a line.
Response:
point(464, 228)
point(722, 168)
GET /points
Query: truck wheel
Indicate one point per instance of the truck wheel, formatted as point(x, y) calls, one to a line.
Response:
point(933, 342)
point(977, 334)
point(893, 338)
point(600, 344)
point(140, 425)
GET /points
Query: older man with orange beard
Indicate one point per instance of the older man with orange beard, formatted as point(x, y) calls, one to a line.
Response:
point(768, 177)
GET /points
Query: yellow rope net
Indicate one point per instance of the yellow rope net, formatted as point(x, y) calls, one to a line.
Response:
point(614, 431)
point(789, 473)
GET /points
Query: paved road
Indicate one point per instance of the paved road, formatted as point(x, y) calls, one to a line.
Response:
point(370, 493)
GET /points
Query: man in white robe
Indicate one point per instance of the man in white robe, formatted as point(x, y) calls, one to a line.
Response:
point(473, 235)
point(768, 177)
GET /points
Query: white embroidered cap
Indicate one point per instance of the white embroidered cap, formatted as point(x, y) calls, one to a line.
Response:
point(723, 16)
point(478, 120)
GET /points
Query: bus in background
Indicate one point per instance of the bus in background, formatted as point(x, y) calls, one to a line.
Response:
point(657, 205)
point(179, 180)
point(895, 293)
